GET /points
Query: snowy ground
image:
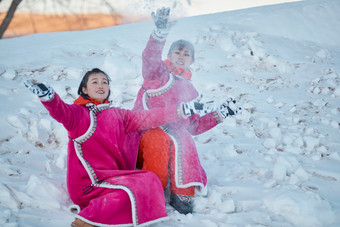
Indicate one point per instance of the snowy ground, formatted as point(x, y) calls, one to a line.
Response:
point(278, 164)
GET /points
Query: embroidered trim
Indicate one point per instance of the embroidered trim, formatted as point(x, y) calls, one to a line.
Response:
point(132, 199)
point(217, 117)
point(94, 111)
point(178, 154)
point(131, 195)
point(178, 160)
point(157, 92)
point(156, 38)
point(179, 111)
point(174, 137)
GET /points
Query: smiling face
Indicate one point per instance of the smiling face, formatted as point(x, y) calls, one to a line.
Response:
point(180, 57)
point(97, 87)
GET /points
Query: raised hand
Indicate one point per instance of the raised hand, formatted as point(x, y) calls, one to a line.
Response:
point(162, 23)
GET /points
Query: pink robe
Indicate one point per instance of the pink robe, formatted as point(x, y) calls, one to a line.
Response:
point(101, 178)
point(162, 88)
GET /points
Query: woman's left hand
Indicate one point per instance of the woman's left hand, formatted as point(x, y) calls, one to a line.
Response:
point(229, 108)
point(162, 23)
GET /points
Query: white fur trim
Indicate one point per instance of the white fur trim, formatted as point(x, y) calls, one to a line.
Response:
point(155, 37)
point(74, 209)
point(100, 224)
point(178, 185)
point(133, 202)
point(147, 93)
point(77, 140)
point(76, 143)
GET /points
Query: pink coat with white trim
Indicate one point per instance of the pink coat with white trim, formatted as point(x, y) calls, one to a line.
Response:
point(163, 88)
point(101, 178)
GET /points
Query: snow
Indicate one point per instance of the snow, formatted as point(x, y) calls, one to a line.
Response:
point(276, 164)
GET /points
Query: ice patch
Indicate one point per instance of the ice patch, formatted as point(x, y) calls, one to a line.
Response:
point(6, 197)
point(270, 100)
point(311, 143)
point(216, 199)
point(337, 92)
point(335, 124)
point(323, 53)
point(269, 143)
point(302, 174)
point(44, 194)
point(15, 122)
point(275, 133)
point(279, 172)
point(303, 209)
point(9, 74)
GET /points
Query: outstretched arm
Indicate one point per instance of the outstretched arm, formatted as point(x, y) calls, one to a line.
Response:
point(58, 109)
point(211, 116)
point(155, 117)
point(146, 119)
point(153, 66)
point(199, 125)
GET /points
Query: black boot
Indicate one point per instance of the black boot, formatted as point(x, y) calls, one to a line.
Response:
point(181, 203)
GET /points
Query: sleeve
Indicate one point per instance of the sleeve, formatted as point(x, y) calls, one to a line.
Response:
point(199, 125)
point(146, 119)
point(153, 66)
point(62, 112)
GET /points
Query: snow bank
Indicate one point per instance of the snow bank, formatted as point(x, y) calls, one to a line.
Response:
point(277, 164)
point(301, 208)
point(309, 21)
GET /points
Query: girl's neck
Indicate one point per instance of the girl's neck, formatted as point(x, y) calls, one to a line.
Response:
point(83, 100)
point(185, 73)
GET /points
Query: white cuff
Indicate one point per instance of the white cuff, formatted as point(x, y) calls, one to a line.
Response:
point(158, 38)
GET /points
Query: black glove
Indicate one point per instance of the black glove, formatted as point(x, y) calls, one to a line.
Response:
point(192, 107)
point(229, 108)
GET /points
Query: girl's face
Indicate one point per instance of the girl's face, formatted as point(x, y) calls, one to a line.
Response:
point(97, 87)
point(180, 58)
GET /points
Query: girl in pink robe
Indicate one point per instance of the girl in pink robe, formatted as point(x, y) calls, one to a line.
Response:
point(101, 179)
point(168, 83)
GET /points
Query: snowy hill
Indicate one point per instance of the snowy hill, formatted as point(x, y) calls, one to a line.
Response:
point(278, 164)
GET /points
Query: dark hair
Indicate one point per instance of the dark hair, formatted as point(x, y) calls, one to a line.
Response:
point(83, 83)
point(180, 44)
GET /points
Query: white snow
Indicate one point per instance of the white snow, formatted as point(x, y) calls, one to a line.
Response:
point(277, 164)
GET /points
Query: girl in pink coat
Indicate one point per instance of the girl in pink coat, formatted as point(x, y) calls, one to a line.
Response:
point(101, 179)
point(170, 151)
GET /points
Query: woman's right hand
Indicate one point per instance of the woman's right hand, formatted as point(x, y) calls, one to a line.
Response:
point(43, 91)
